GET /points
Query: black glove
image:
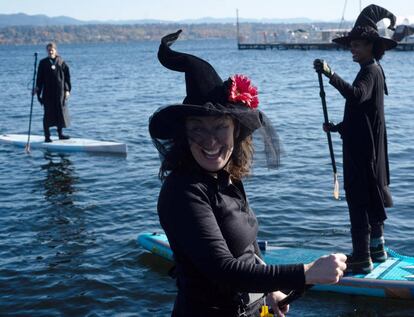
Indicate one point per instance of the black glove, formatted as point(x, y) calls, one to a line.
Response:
point(332, 127)
point(40, 100)
point(170, 38)
point(322, 66)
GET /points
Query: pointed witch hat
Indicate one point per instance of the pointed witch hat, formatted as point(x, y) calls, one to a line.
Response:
point(365, 27)
point(207, 95)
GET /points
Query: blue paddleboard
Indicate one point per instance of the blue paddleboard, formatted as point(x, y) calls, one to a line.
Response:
point(393, 278)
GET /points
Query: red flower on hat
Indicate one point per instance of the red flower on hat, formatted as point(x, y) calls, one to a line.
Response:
point(241, 90)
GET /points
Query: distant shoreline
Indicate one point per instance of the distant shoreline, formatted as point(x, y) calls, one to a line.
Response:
point(112, 33)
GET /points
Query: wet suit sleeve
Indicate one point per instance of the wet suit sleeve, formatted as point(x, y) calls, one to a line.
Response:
point(359, 91)
point(188, 219)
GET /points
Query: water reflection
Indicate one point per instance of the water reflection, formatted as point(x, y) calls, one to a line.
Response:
point(63, 230)
point(60, 179)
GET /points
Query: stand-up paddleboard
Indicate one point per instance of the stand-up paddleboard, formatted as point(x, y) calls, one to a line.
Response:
point(393, 278)
point(70, 145)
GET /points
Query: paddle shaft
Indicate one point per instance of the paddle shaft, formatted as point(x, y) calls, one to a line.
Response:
point(31, 103)
point(325, 115)
point(292, 295)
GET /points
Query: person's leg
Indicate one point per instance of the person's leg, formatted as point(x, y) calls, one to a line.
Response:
point(360, 260)
point(377, 216)
point(377, 250)
point(61, 135)
point(46, 130)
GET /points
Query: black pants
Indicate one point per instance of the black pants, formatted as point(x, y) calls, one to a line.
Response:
point(47, 131)
point(364, 217)
point(365, 225)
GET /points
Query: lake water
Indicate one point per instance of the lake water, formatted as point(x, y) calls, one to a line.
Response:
point(69, 221)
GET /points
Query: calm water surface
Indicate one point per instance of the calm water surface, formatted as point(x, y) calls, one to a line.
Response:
point(69, 221)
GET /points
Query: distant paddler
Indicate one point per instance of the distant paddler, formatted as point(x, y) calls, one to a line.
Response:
point(53, 88)
point(364, 136)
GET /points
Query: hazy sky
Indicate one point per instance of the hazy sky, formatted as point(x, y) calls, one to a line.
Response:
point(191, 9)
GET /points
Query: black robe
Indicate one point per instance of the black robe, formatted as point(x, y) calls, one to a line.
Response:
point(364, 135)
point(53, 80)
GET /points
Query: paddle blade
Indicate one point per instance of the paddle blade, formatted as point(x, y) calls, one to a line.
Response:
point(27, 148)
point(336, 187)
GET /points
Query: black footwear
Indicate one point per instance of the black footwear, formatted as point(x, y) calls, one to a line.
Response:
point(63, 137)
point(359, 264)
point(48, 139)
point(378, 253)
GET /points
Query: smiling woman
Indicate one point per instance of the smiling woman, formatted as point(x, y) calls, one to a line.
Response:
point(206, 149)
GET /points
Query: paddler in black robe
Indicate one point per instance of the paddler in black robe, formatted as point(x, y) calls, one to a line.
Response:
point(364, 136)
point(53, 89)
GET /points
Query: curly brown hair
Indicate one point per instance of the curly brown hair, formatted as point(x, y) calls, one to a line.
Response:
point(241, 158)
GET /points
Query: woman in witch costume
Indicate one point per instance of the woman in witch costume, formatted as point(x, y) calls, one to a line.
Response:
point(364, 136)
point(205, 145)
point(53, 88)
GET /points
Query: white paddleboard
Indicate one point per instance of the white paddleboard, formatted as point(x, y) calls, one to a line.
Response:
point(70, 145)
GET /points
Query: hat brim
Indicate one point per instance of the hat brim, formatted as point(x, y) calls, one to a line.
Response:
point(346, 41)
point(167, 121)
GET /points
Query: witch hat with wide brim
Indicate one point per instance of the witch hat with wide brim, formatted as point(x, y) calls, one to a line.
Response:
point(365, 28)
point(207, 94)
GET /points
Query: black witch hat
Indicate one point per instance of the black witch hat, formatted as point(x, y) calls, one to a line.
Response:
point(209, 95)
point(365, 27)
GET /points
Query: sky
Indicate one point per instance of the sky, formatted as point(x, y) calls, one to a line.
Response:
point(173, 10)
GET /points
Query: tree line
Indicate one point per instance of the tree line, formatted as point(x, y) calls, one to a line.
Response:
point(108, 33)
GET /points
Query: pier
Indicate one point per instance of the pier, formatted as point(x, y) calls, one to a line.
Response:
point(289, 46)
point(321, 42)
point(404, 46)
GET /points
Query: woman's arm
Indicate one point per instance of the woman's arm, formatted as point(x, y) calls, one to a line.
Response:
point(359, 91)
point(189, 221)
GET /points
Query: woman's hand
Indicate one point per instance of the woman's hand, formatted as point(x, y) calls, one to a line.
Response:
point(322, 66)
point(327, 269)
point(272, 300)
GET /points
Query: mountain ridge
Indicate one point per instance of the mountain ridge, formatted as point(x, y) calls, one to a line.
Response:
point(23, 19)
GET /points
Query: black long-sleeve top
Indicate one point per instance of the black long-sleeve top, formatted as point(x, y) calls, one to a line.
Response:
point(212, 232)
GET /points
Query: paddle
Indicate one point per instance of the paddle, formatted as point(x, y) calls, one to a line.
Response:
point(27, 147)
point(293, 294)
point(328, 134)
